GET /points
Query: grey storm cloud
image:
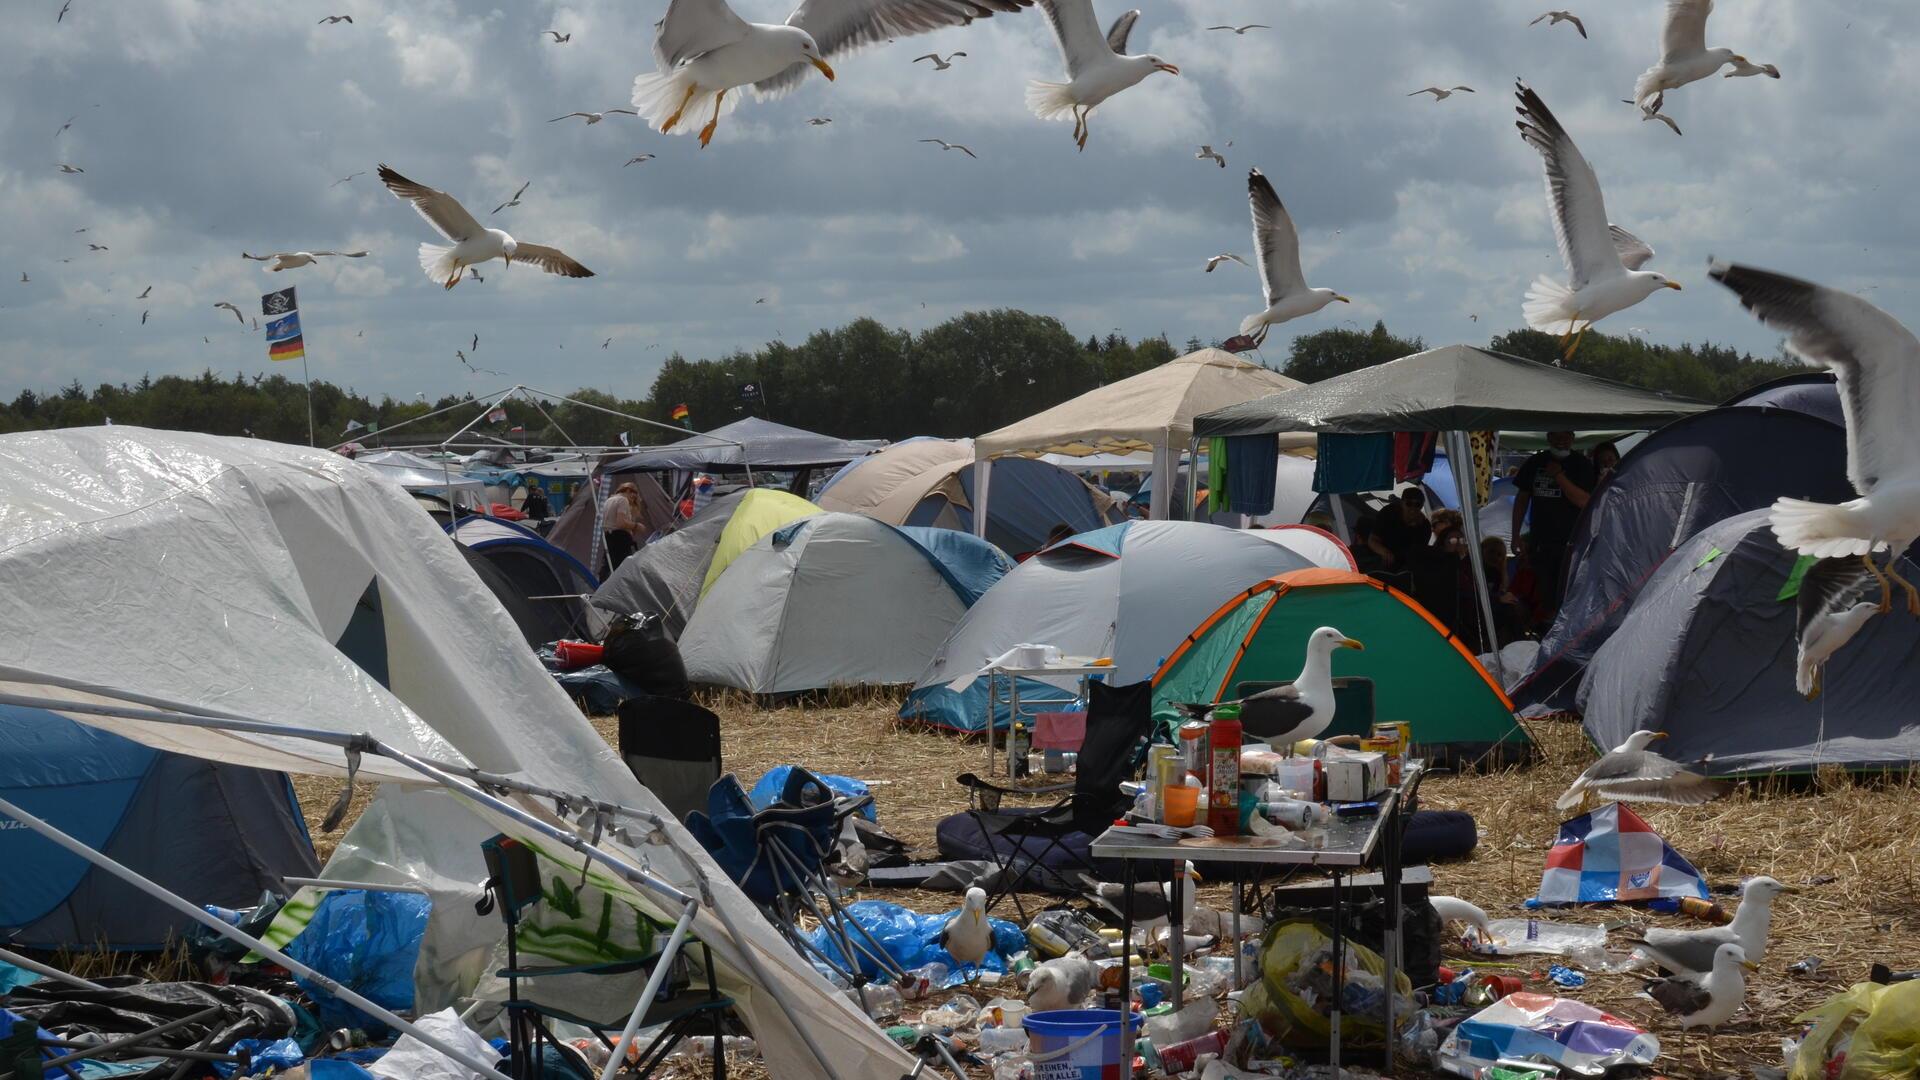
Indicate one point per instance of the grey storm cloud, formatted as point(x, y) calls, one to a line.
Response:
point(208, 127)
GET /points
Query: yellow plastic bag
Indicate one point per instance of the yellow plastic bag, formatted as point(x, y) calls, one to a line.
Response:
point(1293, 996)
point(1876, 1028)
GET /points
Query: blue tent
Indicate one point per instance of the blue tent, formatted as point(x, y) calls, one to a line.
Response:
point(215, 834)
point(540, 585)
point(971, 565)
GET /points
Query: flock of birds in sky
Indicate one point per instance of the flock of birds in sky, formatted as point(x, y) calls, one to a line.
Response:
point(707, 58)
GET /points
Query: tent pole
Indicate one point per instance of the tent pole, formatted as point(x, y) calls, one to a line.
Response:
point(659, 975)
point(44, 971)
point(1191, 512)
point(982, 476)
point(235, 934)
point(1460, 453)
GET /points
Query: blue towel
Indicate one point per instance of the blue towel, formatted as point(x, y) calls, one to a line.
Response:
point(1252, 461)
point(1350, 463)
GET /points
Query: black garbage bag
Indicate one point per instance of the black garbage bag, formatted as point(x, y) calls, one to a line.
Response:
point(127, 1005)
point(639, 650)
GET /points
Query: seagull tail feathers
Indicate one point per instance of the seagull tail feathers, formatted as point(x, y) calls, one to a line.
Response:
point(1818, 529)
point(1252, 323)
point(1572, 797)
point(659, 95)
point(1549, 306)
point(437, 261)
point(1050, 100)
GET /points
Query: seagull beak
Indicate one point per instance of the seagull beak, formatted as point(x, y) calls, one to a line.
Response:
point(822, 65)
point(1170, 69)
point(1349, 643)
point(1750, 965)
point(1342, 299)
point(1657, 735)
point(1673, 285)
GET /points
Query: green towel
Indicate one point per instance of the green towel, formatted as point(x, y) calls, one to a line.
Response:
point(1216, 475)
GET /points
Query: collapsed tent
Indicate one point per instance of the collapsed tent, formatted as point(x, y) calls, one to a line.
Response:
point(542, 587)
point(220, 833)
point(829, 600)
point(1707, 655)
point(229, 576)
point(1421, 673)
point(670, 575)
point(1129, 592)
point(1677, 481)
point(930, 482)
point(579, 527)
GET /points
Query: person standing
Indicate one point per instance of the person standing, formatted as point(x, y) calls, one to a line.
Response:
point(1553, 487)
point(620, 522)
point(535, 505)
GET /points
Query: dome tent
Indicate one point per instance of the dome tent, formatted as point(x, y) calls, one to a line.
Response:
point(1708, 651)
point(1421, 672)
point(829, 600)
point(1129, 591)
point(537, 583)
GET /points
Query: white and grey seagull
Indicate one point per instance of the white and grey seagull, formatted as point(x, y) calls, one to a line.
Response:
point(939, 64)
point(331, 19)
point(638, 160)
point(1690, 953)
point(290, 260)
point(1208, 153)
point(1239, 30)
point(1711, 1000)
point(69, 169)
point(472, 244)
point(241, 319)
point(592, 117)
point(1559, 17)
point(1098, 65)
point(1598, 282)
point(945, 145)
point(1745, 69)
point(515, 200)
point(1277, 244)
point(1830, 608)
point(1684, 56)
point(1215, 260)
point(1632, 773)
point(1440, 94)
point(703, 52)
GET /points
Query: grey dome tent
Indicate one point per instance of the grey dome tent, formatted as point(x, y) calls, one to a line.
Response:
point(1707, 652)
point(218, 833)
point(1810, 392)
point(1677, 481)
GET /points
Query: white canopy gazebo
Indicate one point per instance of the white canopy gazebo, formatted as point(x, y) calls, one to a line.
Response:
point(1150, 412)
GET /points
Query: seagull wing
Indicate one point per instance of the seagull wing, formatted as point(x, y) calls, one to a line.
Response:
point(1633, 251)
point(1644, 776)
point(1577, 24)
point(1681, 997)
point(341, 254)
point(1685, 32)
point(1275, 240)
point(1829, 610)
point(843, 27)
point(1876, 363)
point(1274, 712)
point(1573, 195)
point(691, 28)
point(441, 210)
point(1122, 28)
point(569, 116)
point(552, 260)
point(1081, 42)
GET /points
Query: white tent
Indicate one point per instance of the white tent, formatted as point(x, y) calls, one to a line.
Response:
point(1152, 412)
point(833, 599)
point(214, 597)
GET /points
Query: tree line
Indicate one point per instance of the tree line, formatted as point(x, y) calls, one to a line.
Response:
point(968, 375)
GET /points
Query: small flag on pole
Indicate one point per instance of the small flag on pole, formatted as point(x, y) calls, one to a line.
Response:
point(278, 303)
point(497, 416)
point(680, 412)
point(623, 439)
point(284, 327)
point(293, 348)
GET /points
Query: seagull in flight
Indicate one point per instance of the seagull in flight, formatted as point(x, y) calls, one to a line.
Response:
point(558, 37)
point(471, 243)
point(143, 294)
point(1439, 94)
point(24, 279)
point(331, 19)
point(945, 145)
point(1559, 17)
point(143, 318)
point(70, 169)
point(347, 178)
point(606, 343)
point(1240, 30)
point(475, 275)
point(64, 8)
point(1098, 66)
point(1599, 282)
point(515, 200)
point(97, 247)
point(1277, 244)
point(1684, 56)
point(593, 117)
point(239, 318)
point(643, 158)
point(1208, 153)
point(476, 343)
point(65, 126)
point(290, 260)
point(1744, 69)
point(939, 64)
point(819, 121)
point(1215, 260)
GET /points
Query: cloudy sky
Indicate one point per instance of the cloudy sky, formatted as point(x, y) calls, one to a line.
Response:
point(208, 127)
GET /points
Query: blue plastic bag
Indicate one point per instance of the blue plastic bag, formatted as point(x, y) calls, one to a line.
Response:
point(279, 1055)
point(369, 942)
point(766, 790)
point(912, 940)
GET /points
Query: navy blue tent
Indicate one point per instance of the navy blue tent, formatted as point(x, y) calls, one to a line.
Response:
point(1810, 392)
point(1677, 481)
point(215, 834)
point(540, 585)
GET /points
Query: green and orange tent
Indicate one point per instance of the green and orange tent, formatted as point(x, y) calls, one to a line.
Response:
point(1421, 672)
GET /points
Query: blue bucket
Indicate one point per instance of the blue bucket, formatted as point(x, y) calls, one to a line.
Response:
point(1081, 1044)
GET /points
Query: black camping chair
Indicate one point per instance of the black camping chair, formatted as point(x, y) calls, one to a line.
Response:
point(1119, 722)
point(672, 747)
point(513, 885)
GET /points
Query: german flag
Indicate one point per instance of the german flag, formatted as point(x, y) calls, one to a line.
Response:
point(293, 348)
point(680, 412)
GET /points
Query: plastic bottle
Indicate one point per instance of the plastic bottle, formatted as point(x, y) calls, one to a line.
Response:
point(1018, 745)
point(883, 1002)
point(1003, 1040)
point(1223, 777)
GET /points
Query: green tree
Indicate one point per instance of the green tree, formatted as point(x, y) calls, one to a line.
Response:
point(1327, 353)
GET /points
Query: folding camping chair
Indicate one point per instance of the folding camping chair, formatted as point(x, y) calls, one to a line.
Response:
point(778, 857)
point(672, 747)
point(1119, 722)
point(513, 886)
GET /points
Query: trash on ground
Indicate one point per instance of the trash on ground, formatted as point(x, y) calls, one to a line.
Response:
point(1864, 1031)
point(1572, 1036)
point(1612, 855)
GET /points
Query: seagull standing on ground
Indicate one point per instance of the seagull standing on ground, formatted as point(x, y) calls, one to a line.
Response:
point(1599, 283)
point(289, 260)
point(1632, 773)
point(1710, 1001)
point(1876, 369)
point(1208, 153)
point(938, 63)
point(1277, 244)
point(1559, 17)
point(703, 51)
point(1097, 67)
point(1439, 94)
point(1061, 983)
point(592, 117)
point(1152, 900)
point(1690, 953)
point(1684, 56)
point(471, 243)
point(968, 935)
point(945, 145)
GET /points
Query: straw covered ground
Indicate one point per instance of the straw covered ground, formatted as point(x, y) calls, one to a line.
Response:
point(1845, 846)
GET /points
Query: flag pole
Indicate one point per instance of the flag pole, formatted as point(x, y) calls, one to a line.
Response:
point(308, 376)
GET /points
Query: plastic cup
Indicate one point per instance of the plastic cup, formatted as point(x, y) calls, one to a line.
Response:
point(1182, 804)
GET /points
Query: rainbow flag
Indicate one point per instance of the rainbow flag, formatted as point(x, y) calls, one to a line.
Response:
point(293, 348)
point(680, 412)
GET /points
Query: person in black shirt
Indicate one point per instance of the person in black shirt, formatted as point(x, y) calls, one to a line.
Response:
point(1400, 529)
point(1554, 486)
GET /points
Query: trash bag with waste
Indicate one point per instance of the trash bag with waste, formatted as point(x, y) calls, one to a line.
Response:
point(1293, 995)
point(1575, 1037)
point(1865, 1031)
point(912, 940)
point(368, 941)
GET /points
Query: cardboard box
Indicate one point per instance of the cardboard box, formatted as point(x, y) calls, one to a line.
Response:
point(1356, 777)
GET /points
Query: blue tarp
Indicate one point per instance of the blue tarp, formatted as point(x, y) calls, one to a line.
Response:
point(912, 940)
point(766, 790)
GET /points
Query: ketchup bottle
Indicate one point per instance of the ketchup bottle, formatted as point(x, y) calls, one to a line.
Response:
point(1223, 775)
